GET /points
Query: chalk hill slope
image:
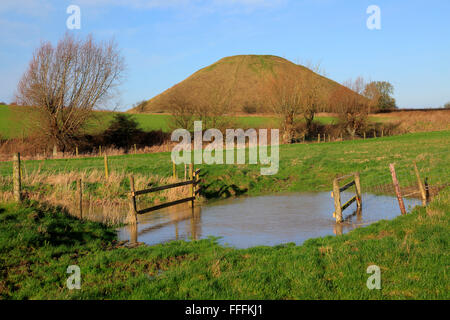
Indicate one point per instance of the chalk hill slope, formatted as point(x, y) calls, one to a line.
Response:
point(243, 78)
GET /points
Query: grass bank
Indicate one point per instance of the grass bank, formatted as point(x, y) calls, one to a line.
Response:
point(104, 199)
point(37, 244)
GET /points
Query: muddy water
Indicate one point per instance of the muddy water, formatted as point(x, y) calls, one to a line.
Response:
point(264, 220)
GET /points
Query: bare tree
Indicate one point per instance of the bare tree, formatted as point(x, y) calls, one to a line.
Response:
point(313, 93)
point(65, 83)
point(294, 95)
point(372, 93)
point(183, 111)
point(186, 107)
point(285, 95)
point(212, 111)
point(352, 107)
point(140, 106)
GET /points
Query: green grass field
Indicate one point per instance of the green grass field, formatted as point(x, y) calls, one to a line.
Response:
point(7, 128)
point(38, 244)
point(11, 128)
point(302, 167)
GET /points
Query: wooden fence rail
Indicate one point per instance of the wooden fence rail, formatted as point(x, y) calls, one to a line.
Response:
point(161, 188)
point(194, 191)
point(348, 185)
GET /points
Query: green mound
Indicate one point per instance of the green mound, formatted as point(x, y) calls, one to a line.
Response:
point(243, 78)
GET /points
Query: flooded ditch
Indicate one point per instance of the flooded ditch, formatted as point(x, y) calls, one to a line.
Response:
point(263, 220)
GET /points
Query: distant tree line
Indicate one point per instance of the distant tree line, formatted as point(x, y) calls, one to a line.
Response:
point(293, 96)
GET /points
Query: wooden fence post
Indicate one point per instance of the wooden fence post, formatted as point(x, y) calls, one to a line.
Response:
point(17, 178)
point(427, 190)
point(132, 217)
point(76, 151)
point(135, 149)
point(421, 186)
point(191, 177)
point(358, 190)
point(99, 150)
point(174, 170)
point(382, 133)
point(364, 135)
point(106, 167)
point(185, 172)
point(397, 189)
point(194, 185)
point(342, 139)
point(318, 138)
point(80, 197)
point(337, 201)
point(374, 133)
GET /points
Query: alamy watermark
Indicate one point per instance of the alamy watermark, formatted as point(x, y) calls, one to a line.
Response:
point(235, 153)
point(374, 281)
point(374, 20)
point(74, 20)
point(74, 281)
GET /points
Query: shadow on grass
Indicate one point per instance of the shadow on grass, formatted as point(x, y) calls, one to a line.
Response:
point(53, 226)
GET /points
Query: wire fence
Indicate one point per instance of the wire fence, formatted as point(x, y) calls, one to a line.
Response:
point(433, 169)
point(430, 172)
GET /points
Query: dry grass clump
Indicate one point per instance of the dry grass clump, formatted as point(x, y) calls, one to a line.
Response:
point(418, 121)
point(104, 199)
point(439, 207)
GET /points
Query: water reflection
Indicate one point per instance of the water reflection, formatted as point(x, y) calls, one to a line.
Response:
point(339, 227)
point(265, 220)
point(132, 230)
point(174, 223)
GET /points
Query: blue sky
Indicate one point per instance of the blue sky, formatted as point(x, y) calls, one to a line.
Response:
point(163, 42)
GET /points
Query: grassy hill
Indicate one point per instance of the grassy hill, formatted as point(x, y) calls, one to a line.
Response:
point(243, 77)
